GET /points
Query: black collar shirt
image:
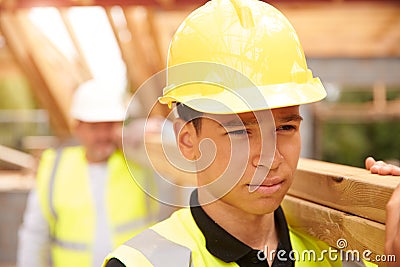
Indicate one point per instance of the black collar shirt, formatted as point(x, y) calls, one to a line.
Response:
point(226, 247)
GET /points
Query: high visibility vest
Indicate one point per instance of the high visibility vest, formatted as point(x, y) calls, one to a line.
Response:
point(65, 197)
point(178, 242)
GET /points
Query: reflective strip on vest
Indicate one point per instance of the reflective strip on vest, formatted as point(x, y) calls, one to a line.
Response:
point(135, 224)
point(71, 245)
point(160, 251)
point(52, 181)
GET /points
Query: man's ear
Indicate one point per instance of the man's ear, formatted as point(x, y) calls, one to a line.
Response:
point(186, 138)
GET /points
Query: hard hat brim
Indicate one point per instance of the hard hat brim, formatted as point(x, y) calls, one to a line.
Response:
point(99, 115)
point(214, 99)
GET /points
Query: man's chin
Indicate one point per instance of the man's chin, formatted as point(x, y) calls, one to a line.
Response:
point(102, 154)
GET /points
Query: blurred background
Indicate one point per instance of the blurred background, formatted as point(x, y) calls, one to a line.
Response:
point(47, 48)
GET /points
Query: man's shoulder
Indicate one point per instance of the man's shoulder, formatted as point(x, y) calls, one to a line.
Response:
point(169, 229)
point(178, 219)
point(182, 230)
point(128, 255)
point(152, 247)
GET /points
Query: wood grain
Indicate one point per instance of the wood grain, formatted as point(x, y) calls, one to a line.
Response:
point(348, 189)
point(330, 226)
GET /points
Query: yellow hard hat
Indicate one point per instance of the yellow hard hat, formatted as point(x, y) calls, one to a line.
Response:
point(249, 37)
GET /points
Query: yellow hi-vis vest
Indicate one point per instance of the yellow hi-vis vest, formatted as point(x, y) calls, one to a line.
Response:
point(65, 197)
point(178, 242)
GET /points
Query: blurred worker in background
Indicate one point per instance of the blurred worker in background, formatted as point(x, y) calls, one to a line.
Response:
point(85, 202)
point(235, 216)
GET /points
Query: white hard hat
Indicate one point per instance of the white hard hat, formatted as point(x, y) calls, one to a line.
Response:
point(96, 101)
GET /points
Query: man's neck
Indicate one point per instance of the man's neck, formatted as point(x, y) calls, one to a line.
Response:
point(256, 231)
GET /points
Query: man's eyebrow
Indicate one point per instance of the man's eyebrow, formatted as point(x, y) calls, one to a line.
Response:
point(283, 119)
point(238, 122)
point(291, 117)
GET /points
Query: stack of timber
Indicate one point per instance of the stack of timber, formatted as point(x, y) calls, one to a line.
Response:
point(335, 202)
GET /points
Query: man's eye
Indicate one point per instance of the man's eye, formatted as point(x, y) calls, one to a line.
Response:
point(286, 128)
point(238, 132)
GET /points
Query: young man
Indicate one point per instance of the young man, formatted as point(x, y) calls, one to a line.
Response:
point(237, 75)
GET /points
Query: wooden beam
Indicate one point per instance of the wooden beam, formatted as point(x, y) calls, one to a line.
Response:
point(338, 28)
point(166, 23)
point(137, 49)
point(124, 37)
point(12, 26)
point(154, 3)
point(357, 113)
point(137, 26)
point(159, 59)
point(132, 52)
point(59, 73)
point(82, 66)
point(17, 4)
point(344, 188)
point(338, 229)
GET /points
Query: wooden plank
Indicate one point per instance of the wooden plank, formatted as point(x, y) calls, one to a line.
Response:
point(12, 181)
point(348, 189)
point(333, 226)
point(17, 157)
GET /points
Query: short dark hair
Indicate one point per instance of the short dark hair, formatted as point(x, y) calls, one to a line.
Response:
point(190, 115)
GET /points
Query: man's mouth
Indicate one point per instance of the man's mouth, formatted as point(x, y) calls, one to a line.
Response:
point(268, 187)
